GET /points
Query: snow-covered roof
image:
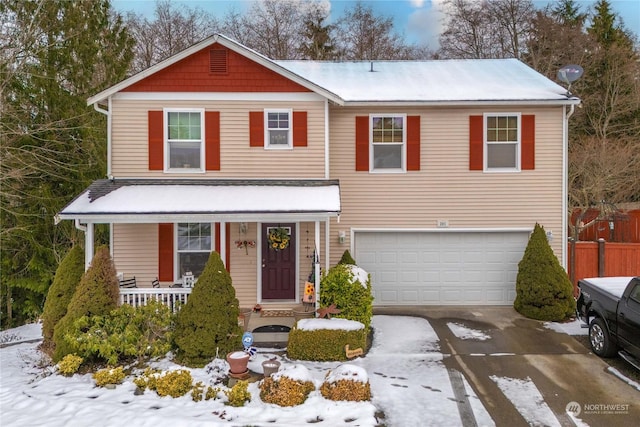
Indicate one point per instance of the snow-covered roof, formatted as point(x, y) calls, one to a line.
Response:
point(146, 200)
point(437, 81)
point(459, 82)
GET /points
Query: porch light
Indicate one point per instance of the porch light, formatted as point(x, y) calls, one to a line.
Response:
point(341, 237)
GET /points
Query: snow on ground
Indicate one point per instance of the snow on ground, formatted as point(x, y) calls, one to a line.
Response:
point(466, 333)
point(570, 328)
point(409, 384)
point(528, 400)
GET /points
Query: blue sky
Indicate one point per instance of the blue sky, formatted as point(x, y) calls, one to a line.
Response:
point(418, 20)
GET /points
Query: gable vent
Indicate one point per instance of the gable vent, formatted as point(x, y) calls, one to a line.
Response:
point(218, 61)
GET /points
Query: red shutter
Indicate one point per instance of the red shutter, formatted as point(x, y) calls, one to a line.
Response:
point(156, 140)
point(212, 140)
point(413, 143)
point(299, 128)
point(362, 143)
point(165, 252)
point(528, 135)
point(256, 129)
point(476, 142)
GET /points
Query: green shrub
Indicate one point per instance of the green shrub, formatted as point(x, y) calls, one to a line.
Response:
point(109, 376)
point(543, 290)
point(285, 391)
point(346, 382)
point(147, 379)
point(68, 275)
point(174, 383)
point(125, 333)
point(69, 365)
point(199, 391)
point(347, 258)
point(97, 294)
point(343, 286)
point(323, 344)
point(208, 323)
point(239, 394)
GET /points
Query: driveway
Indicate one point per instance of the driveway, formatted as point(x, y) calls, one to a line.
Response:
point(524, 373)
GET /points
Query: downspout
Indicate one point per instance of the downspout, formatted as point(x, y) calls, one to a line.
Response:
point(565, 190)
point(327, 173)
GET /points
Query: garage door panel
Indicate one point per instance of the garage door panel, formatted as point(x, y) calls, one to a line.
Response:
point(441, 267)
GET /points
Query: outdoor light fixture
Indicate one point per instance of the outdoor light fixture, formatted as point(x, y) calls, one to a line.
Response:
point(341, 237)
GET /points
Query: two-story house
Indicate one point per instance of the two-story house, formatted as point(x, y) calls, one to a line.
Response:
point(432, 173)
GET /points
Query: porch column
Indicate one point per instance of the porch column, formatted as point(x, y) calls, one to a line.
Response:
point(223, 242)
point(88, 245)
point(316, 263)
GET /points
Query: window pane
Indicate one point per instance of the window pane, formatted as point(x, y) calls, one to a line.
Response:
point(278, 137)
point(387, 129)
point(184, 125)
point(501, 155)
point(192, 261)
point(184, 155)
point(387, 156)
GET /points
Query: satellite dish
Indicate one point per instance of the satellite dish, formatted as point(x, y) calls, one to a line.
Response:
point(569, 74)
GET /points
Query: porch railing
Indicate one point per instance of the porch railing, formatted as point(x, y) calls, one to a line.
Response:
point(171, 297)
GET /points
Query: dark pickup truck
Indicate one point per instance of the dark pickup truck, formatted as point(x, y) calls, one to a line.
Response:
point(611, 308)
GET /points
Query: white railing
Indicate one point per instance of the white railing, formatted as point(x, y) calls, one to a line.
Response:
point(171, 297)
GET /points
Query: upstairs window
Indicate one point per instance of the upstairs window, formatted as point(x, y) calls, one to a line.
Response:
point(388, 142)
point(185, 140)
point(502, 142)
point(278, 129)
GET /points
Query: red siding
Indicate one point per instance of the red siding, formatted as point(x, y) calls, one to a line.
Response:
point(256, 129)
point(193, 74)
point(156, 140)
point(413, 143)
point(299, 128)
point(212, 136)
point(476, 143)
point(362, 143)
point(165, 252)
point(528, 155)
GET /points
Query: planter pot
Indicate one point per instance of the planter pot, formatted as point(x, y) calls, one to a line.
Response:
point(244, 317)
point(238, 362)
point(298, 314)
point(270, 367)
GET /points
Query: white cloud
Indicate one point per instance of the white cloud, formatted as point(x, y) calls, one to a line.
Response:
point(417, 3)
point(425, 25)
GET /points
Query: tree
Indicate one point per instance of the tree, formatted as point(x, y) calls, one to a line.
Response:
point(543, 289)
point(54, 55)
point(173, 29)
point(207, 325)
point(97, 294)
point(362, 35)
point(317, 41)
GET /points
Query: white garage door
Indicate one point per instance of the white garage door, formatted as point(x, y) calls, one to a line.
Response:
point(423, 268)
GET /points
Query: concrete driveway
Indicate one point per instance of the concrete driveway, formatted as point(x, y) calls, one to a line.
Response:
point(525, 371)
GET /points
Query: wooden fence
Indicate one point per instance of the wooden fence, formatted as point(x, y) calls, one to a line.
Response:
point(601, 259)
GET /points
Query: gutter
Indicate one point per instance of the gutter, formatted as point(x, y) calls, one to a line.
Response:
point(565, 184)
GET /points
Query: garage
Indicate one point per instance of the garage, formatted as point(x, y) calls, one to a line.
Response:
point(441, 267)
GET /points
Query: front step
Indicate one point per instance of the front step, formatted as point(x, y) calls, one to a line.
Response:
point(630, 359)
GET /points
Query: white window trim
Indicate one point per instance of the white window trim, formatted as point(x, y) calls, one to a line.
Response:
point(485, 143)
point(402, 169)
point(177, 251)
point(203, 130)
point(289, 145)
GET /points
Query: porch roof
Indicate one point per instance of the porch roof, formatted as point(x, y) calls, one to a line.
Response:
point(204, 200)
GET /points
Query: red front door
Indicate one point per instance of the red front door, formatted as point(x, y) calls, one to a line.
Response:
point(278, 266)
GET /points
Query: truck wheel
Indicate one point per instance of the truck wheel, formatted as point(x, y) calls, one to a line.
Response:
point(600, 340)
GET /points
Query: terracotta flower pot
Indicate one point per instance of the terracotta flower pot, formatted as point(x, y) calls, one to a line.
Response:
point(238, 362)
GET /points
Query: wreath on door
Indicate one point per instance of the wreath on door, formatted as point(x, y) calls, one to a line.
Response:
point(278, 238)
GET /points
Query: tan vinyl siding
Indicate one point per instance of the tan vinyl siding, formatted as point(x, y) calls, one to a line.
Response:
point(237, 159)
point(444, 188)
point(135, 251)
point(244, 267)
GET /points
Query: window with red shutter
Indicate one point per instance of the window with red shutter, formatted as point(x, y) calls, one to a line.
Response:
point(362, 143)
point(413, 143)
point(156, 140)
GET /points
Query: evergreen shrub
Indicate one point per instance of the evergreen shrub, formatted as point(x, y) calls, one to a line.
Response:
point(174, 383)
point(67, 277)
point(346, 382)
point(123, 334)
point(109, 376)
point(239, 394)
point(347, 258)
point(543, 289)
point(69, 365)
point(343, 286)
point(323, 344)
point(96, 294)
point(284, 390)
point(207, 325)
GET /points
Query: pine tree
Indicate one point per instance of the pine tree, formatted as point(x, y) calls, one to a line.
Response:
point(317, 43)
point(97, 294)
point(543, 289)
point(207, 325)
point(64, 284)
